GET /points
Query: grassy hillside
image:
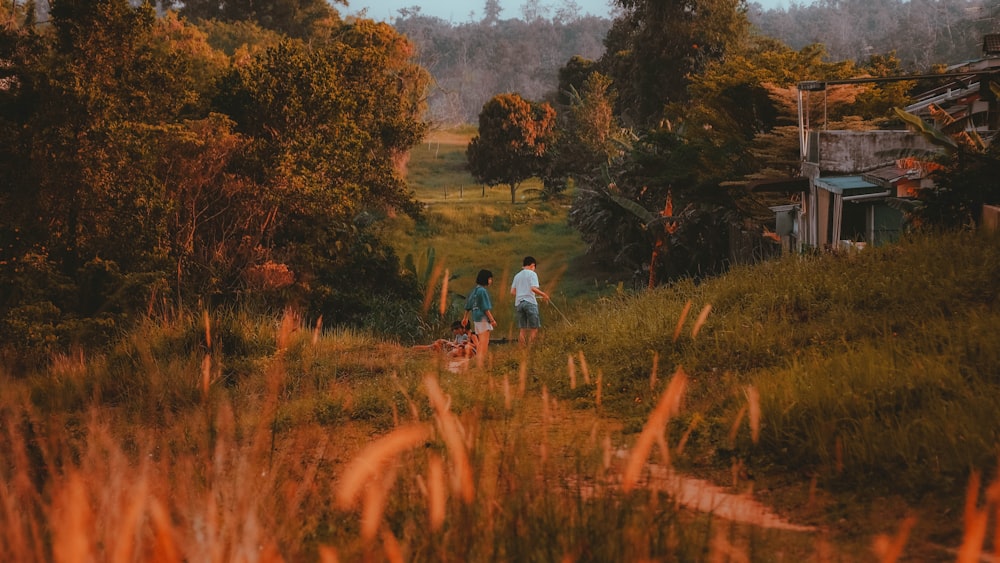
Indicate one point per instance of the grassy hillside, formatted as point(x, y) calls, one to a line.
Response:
point(852, 395)
point(468, 227)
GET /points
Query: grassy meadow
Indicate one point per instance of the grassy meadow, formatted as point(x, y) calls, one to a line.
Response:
point(848, 401)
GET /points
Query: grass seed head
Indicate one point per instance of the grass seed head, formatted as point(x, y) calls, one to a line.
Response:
point(680, 321)
point(654, 428)
point(374, 458)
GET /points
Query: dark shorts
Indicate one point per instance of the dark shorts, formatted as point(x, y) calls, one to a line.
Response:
point(527, 315)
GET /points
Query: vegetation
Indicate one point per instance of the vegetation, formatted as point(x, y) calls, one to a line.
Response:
point(949, 30)
point(854, 390)
point(964, 178)
point(472, 61)
point(479, 57)
point(208, 324)
point(144, 169)
point(513, 141)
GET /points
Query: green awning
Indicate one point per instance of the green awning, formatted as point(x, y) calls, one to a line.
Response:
point(848, 185)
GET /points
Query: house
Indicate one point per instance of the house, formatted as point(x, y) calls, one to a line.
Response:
point(849, 179)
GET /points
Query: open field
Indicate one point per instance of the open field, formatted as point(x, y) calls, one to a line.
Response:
point(469, 227)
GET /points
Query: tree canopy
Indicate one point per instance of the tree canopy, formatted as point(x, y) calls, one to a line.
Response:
point(141, 168)
point(514, 137)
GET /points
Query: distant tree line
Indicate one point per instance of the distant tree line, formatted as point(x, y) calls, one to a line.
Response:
point(921, 33)
point(472, 61)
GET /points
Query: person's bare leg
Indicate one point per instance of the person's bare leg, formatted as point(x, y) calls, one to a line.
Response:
point(532, 333)
point(483, 348)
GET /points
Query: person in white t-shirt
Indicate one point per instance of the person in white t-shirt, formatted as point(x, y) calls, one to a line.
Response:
point(525, 288)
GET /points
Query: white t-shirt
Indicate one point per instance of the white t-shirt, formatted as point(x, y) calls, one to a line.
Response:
point(522, 284)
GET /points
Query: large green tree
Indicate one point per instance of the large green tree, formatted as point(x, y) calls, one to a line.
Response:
point(327, 125)
point(655, 46)
point(514, 137)
point(86, 217)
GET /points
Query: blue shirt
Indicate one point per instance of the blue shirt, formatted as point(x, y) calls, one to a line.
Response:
point(478, 302)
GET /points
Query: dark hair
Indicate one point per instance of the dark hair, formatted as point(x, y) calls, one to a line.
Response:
point(529, 260)
point(484, 277)
point(456, 325)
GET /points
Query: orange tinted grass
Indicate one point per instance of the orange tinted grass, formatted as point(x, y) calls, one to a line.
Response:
point(680, 321)
point(451, 432)
point(375, 458)
point(652, 432)
point(702, 317)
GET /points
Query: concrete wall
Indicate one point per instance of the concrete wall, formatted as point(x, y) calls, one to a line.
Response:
point(854, 152)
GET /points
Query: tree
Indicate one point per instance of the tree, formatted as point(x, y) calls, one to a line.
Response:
point(295, 18)
point(491, 12)
point(327, 125)
point(589, 136)
point(80, 117)
point(657, 212)
point(132, 173)
point(514, 137)
point(655, 46)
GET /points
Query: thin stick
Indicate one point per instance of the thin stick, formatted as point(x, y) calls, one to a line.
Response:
point(560, 312)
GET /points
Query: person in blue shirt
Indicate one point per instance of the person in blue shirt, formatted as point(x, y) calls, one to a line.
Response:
point(479, 309)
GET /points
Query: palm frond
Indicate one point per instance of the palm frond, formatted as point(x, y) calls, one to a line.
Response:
point(643, 214)
point(932, 134)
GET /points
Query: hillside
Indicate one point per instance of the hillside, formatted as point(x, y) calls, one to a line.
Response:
point(871, 370)
point(852, 397)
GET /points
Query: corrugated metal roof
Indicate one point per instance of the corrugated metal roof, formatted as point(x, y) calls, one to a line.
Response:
point(847, 185)
point(886, 176)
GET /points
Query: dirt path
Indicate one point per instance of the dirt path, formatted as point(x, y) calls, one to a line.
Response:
point(703, 496)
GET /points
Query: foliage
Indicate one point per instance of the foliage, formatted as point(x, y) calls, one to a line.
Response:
point(514, 138)
point(964, 180)
point(589, 137)
point(664, 174)
point(472, 61)
point(654, 48)
point(698, 96)
point(238, 39)
point(169, 171)
point(734, 123)
point(294, 18)
point(949, 30)
point(878, 101)
point(475, 60)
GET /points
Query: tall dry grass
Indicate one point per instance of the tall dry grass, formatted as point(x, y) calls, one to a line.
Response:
point(531, 479)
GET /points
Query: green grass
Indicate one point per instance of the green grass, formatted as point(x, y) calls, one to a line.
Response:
point(469, 227)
